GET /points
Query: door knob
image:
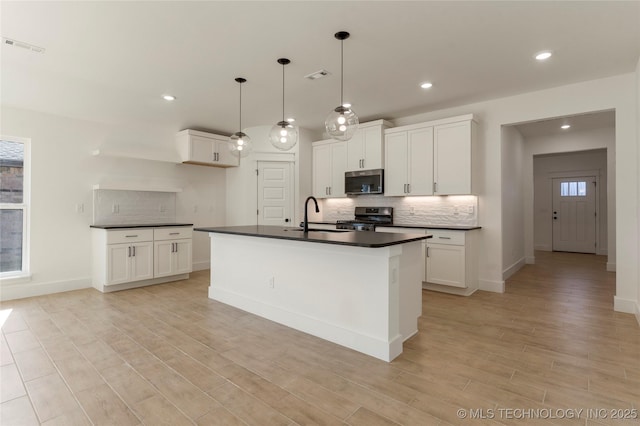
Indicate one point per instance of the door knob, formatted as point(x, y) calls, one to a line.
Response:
point(286, 220)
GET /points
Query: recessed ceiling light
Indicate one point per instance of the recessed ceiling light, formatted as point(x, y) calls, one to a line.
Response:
point(541, 56)
point(346, 105)
point(565, 126)
point(168, 97)
point(426, 85)
point(291, 119)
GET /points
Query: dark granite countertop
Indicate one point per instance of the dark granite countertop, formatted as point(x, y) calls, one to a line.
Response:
point(141, 225)
point(346, 238)
point(398, 225)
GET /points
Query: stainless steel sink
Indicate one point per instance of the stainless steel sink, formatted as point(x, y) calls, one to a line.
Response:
point(317, 230)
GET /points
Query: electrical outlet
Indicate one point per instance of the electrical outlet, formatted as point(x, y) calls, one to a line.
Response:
point(80, 208)
point(115, 208)
point(412, 210)
point(272, 282)
point(455, 211)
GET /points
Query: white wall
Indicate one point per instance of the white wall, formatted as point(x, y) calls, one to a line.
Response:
point(242, 184)
point(63, 172)
point(546, 167)
point(638, 168)
point(617, 93)
point(512, 211)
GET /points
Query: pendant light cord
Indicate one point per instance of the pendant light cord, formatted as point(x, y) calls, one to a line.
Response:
point(283, 94)
point(240, 108)
point(341, 72)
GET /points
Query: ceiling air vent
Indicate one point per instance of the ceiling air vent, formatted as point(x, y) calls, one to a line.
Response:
point(22, 45)
point(318, 74)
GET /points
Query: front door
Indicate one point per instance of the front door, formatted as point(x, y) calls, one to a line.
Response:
point(574, 214)
point(275, 201)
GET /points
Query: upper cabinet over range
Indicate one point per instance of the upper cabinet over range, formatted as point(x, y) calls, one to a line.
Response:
point(365, 149)
point(205, 149)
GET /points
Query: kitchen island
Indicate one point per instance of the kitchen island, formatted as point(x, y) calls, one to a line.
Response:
point(362, 290)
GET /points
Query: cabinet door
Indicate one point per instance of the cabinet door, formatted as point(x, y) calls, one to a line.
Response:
point(420, 142)
point(201, 149)
point(224, 157)
point(321, 170)
point(355, 151)
point(338, 167)
point(182, 257)
point(396, 158)
point(373, 152)
point(452, 163)
point(162, 258)
point(141, 261)
point(446, 265)
point(117, 263)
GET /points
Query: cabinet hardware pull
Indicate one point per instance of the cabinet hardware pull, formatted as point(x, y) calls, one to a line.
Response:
point(408, 188)
point(174, 233)
point(329, 190)
point(134, 251)
point(435, 187)
point(129, 251)
point(445, 238)
point(173, 247)
point(130, 236)
point(176, 247)
point(427, 251)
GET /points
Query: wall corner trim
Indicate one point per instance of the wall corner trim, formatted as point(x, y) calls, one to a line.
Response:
point(490, 285)
point(611, 267)
point(627, 306)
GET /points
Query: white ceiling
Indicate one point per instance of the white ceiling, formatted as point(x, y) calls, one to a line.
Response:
point(111, 61)
point(578, 123)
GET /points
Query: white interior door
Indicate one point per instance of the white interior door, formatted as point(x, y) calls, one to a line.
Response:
point(574, 214)
point(275, 200)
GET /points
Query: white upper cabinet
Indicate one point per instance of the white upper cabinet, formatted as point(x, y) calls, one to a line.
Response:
point(365, 150)
point(452, 152)
point(409, 162)
point(205, 149)
point(329, 165)
point(433, 158)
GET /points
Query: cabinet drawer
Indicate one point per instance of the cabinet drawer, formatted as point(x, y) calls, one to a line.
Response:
point(172, 233)
point(129, 235)
point(441, 236)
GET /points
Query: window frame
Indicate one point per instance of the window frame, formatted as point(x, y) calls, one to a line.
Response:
point(25, 207)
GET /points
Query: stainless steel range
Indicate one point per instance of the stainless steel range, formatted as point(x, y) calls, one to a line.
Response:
point(366, 219)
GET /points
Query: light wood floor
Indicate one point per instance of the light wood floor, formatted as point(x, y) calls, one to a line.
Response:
point(167, 354)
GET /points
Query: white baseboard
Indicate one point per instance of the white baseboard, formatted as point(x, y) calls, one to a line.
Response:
point(627, 306)
point(611, 267)
point(202, 265)
point(489, 285)
point(542, 247)
point(513, 268)
point(602, 252)
point(530, 260)
point(30, 289)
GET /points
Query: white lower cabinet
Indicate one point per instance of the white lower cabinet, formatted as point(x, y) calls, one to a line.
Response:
point(129, 262)
point(451, 262)
point(140, 256)
point(450, 259)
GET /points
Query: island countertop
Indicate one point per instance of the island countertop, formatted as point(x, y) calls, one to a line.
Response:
point(347, 238)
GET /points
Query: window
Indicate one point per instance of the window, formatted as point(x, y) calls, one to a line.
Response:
point(14, 203)
point(573, 189)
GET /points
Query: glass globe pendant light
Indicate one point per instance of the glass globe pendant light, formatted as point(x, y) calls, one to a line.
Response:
point(283, 135)
point(342, 122)
point(240, 143)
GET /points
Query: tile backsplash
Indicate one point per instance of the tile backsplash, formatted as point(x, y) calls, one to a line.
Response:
point(117, 207)
point(438, 210)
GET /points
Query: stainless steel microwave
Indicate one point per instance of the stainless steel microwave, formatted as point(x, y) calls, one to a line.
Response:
point(364, 182)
